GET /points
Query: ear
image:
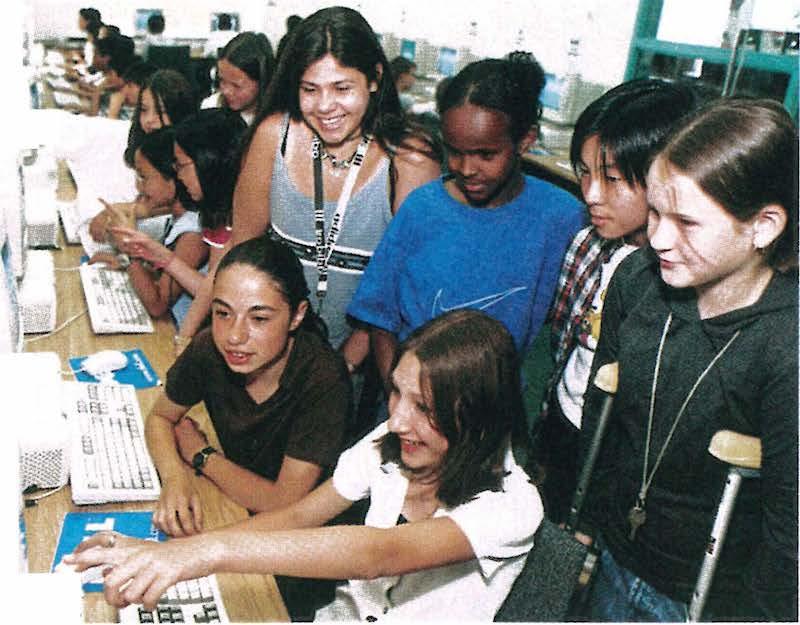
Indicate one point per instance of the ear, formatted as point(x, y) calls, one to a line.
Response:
point(768, 224)
point(299, 315)
point(373, 85)
point(528, 139)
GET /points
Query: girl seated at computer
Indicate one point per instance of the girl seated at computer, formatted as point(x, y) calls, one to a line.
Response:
point(165, 99)
point(277, 394)
point(157, 184)
point(452, 515)
point(206, 163)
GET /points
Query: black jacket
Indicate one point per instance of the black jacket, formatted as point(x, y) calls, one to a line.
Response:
point(751, 389)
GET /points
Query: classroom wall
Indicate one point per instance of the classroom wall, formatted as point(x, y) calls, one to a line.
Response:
point(488, 27)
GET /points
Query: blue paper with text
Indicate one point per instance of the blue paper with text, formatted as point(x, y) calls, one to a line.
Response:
point(138, 371)
point(80, 525)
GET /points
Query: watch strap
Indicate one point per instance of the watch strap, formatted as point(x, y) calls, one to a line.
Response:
point(200, 458)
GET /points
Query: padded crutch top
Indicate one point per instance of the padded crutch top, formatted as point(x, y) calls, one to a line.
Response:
point(737, 449)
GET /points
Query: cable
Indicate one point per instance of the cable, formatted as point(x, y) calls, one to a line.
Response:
point(33, 500)
point(58, 329)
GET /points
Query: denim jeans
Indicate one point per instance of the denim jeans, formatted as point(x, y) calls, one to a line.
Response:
point(620, 596)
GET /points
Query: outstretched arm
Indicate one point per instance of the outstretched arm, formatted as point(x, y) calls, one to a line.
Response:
point(142, 571)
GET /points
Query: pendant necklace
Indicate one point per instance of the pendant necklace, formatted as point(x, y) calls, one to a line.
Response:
point(637, 514)
point(338, 165)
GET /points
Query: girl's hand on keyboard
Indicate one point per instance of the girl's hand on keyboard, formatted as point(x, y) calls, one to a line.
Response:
point(107, 258)
point(140, 571)
point(179, 512)
point(143, 572)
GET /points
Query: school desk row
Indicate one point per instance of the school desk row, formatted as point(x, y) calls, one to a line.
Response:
point(253, 598)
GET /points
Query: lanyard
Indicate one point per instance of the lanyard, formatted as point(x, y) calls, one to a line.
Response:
point(324, 245)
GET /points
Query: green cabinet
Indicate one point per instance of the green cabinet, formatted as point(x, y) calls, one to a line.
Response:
point(752, 70)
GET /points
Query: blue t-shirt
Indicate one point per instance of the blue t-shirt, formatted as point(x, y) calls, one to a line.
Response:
point(439, 254)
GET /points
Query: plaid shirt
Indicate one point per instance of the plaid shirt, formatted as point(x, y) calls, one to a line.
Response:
point(577, 285)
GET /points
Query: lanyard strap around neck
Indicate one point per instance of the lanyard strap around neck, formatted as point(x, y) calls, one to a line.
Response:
point(646, 480)
point(324, 246)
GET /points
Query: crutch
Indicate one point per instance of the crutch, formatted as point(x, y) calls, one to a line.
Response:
point(743, 454)
point(606, 380)
point(553, 581)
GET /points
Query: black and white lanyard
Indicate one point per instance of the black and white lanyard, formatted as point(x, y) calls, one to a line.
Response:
point(324, 246)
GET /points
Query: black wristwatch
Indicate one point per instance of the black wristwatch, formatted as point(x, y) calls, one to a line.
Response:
point(200, 458)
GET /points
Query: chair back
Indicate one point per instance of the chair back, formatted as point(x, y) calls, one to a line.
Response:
point(545, 586)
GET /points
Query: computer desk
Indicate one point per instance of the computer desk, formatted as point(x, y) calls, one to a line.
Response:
point(247, 598)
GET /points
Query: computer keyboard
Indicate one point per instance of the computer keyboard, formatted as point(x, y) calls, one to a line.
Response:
point(114, 306)
point(109, 458)
point(191, 601)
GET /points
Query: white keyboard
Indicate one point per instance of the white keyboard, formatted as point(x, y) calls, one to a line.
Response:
point(109, 458)
point(114, 306)
point(191, 601)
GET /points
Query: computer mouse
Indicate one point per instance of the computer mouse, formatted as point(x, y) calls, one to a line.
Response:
point(103, 363)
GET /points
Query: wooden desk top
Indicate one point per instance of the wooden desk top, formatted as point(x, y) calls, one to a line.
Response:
point(247, 598)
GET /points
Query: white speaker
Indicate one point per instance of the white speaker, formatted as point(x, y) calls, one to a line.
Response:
point(33, 383)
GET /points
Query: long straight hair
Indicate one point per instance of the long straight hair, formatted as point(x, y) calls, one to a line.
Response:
point(470, 376)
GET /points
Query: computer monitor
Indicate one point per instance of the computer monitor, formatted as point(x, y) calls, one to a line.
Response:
point(563, 98)
point(408, 49)
point(140, 19)
point(446, 63)
point(215, 20)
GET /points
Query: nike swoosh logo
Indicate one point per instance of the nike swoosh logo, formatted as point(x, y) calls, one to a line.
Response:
point(481, 303)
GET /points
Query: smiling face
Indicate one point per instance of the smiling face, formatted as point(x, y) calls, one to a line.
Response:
point(186, 172)
point(151, 183)
point(617, 208)
point(334, 99)
point(252, 321)
point(699, 244)
point(481, 155)
point(149, 119)
point(239, 90)
point(422, 446)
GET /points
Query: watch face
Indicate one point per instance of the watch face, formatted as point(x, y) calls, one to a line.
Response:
point(198, 460)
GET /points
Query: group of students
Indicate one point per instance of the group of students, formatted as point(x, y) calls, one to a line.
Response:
point(330, 233)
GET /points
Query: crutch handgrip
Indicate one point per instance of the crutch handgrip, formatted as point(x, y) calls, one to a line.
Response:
point(607, 377)
point(740, 450)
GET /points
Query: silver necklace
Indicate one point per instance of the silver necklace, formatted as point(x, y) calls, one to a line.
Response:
point(338, 165)
point(637, 515)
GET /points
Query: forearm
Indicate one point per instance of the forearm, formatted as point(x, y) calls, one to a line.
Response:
point(384, 345)
point(184, 274)
point(339, 552)
point(247, 488)
point(160, 440)
point(147, 288)
point(198, 311)
point(356, 348)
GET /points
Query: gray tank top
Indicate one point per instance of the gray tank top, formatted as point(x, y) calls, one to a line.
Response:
point(292, 222)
